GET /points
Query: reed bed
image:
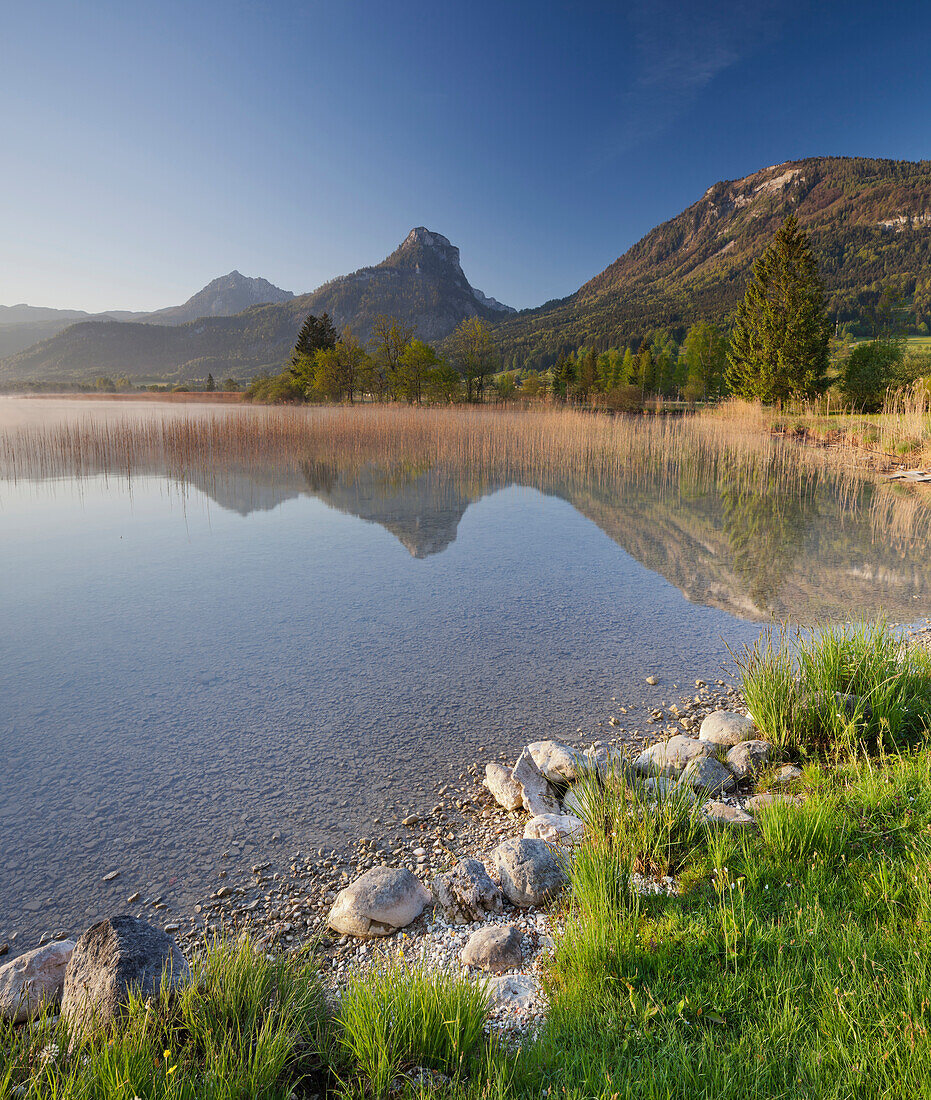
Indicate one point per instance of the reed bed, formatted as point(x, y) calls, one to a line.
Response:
point(533, 446)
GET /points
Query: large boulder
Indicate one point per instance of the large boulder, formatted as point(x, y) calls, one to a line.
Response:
point(748, 758)
point(704, 773)
point(115, 958)
point(724, 727)
point(669, 758)
point(495, 949)
point(466, 893)
point(32, 980)
point(537, 795)
point(378, 903)
point(557, 763)
point(502, 787)
point(529, 872)
point(554, 828)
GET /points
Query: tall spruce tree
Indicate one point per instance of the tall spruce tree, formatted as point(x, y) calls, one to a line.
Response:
point(779, 344)
point(316, 333)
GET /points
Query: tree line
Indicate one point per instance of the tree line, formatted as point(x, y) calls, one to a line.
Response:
point(394, 366)
point(779, 347)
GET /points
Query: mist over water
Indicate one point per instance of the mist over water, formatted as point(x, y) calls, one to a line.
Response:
point(200, 661)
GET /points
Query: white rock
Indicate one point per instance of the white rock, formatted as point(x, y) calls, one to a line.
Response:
point(503, 789)
point(555, 762)
point(529, 872)
point(378, 903)
point(513, 991)
point(466, 893)
point(33, 980)
point(723, 727)
point(669, 758)
point(554, 828)
point(495, 949)
point(748, 758)
point(720, 813)
point(536, 794)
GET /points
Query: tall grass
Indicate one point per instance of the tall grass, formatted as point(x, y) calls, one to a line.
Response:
point(840, 688)
point(401, 1018)
point(792, 964)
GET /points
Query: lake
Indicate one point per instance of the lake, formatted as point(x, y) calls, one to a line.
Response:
point(260, 631)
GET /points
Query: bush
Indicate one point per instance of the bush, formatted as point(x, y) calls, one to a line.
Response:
point(870, 370)
point(277, 389)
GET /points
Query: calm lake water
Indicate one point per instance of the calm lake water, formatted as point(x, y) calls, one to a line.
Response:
point(258, 660)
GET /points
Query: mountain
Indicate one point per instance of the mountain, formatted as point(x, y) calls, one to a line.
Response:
point(22, 326)
point(222, 298)
point(421, 283)
point(869, 221)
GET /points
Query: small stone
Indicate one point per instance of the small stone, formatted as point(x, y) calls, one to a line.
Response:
point(669, 758)
point(556, 763)
point(704, 773)
point(769, 798)
point(787, 773)
point(748, 758)
point(111, 876)
point(515, 991)
point(720, 813)
point(32, 980)
point(652, 681)
point(495, 949)
point(133, 898)
point(378, 903)
point(466, 893)
point(554, 828)
point(726, 728)
point(536, 794)
point(411, 819)
point(173, 927)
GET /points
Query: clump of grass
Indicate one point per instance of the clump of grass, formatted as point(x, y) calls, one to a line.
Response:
point(840, 688)
point(644, 833)
point(401, 1017)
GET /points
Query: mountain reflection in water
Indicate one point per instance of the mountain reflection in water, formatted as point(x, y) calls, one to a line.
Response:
point(745, 543)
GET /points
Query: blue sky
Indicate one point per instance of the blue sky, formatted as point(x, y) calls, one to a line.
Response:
point(149, 148)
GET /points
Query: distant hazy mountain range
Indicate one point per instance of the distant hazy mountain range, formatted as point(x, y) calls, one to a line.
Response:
point(421, 282)
point(869, 221)
point(22, 326)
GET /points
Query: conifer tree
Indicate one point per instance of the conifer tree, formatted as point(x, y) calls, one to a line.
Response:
point(779, 344)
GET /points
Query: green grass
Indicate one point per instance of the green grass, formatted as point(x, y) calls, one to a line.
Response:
point(796, 962)
point(244, 1027)
point(399, 1019)
point(791, 682)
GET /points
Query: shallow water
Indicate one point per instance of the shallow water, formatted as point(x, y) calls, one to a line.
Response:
point(196, 667)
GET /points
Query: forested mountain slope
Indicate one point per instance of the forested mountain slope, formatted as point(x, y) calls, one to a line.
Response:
point(870, 225)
